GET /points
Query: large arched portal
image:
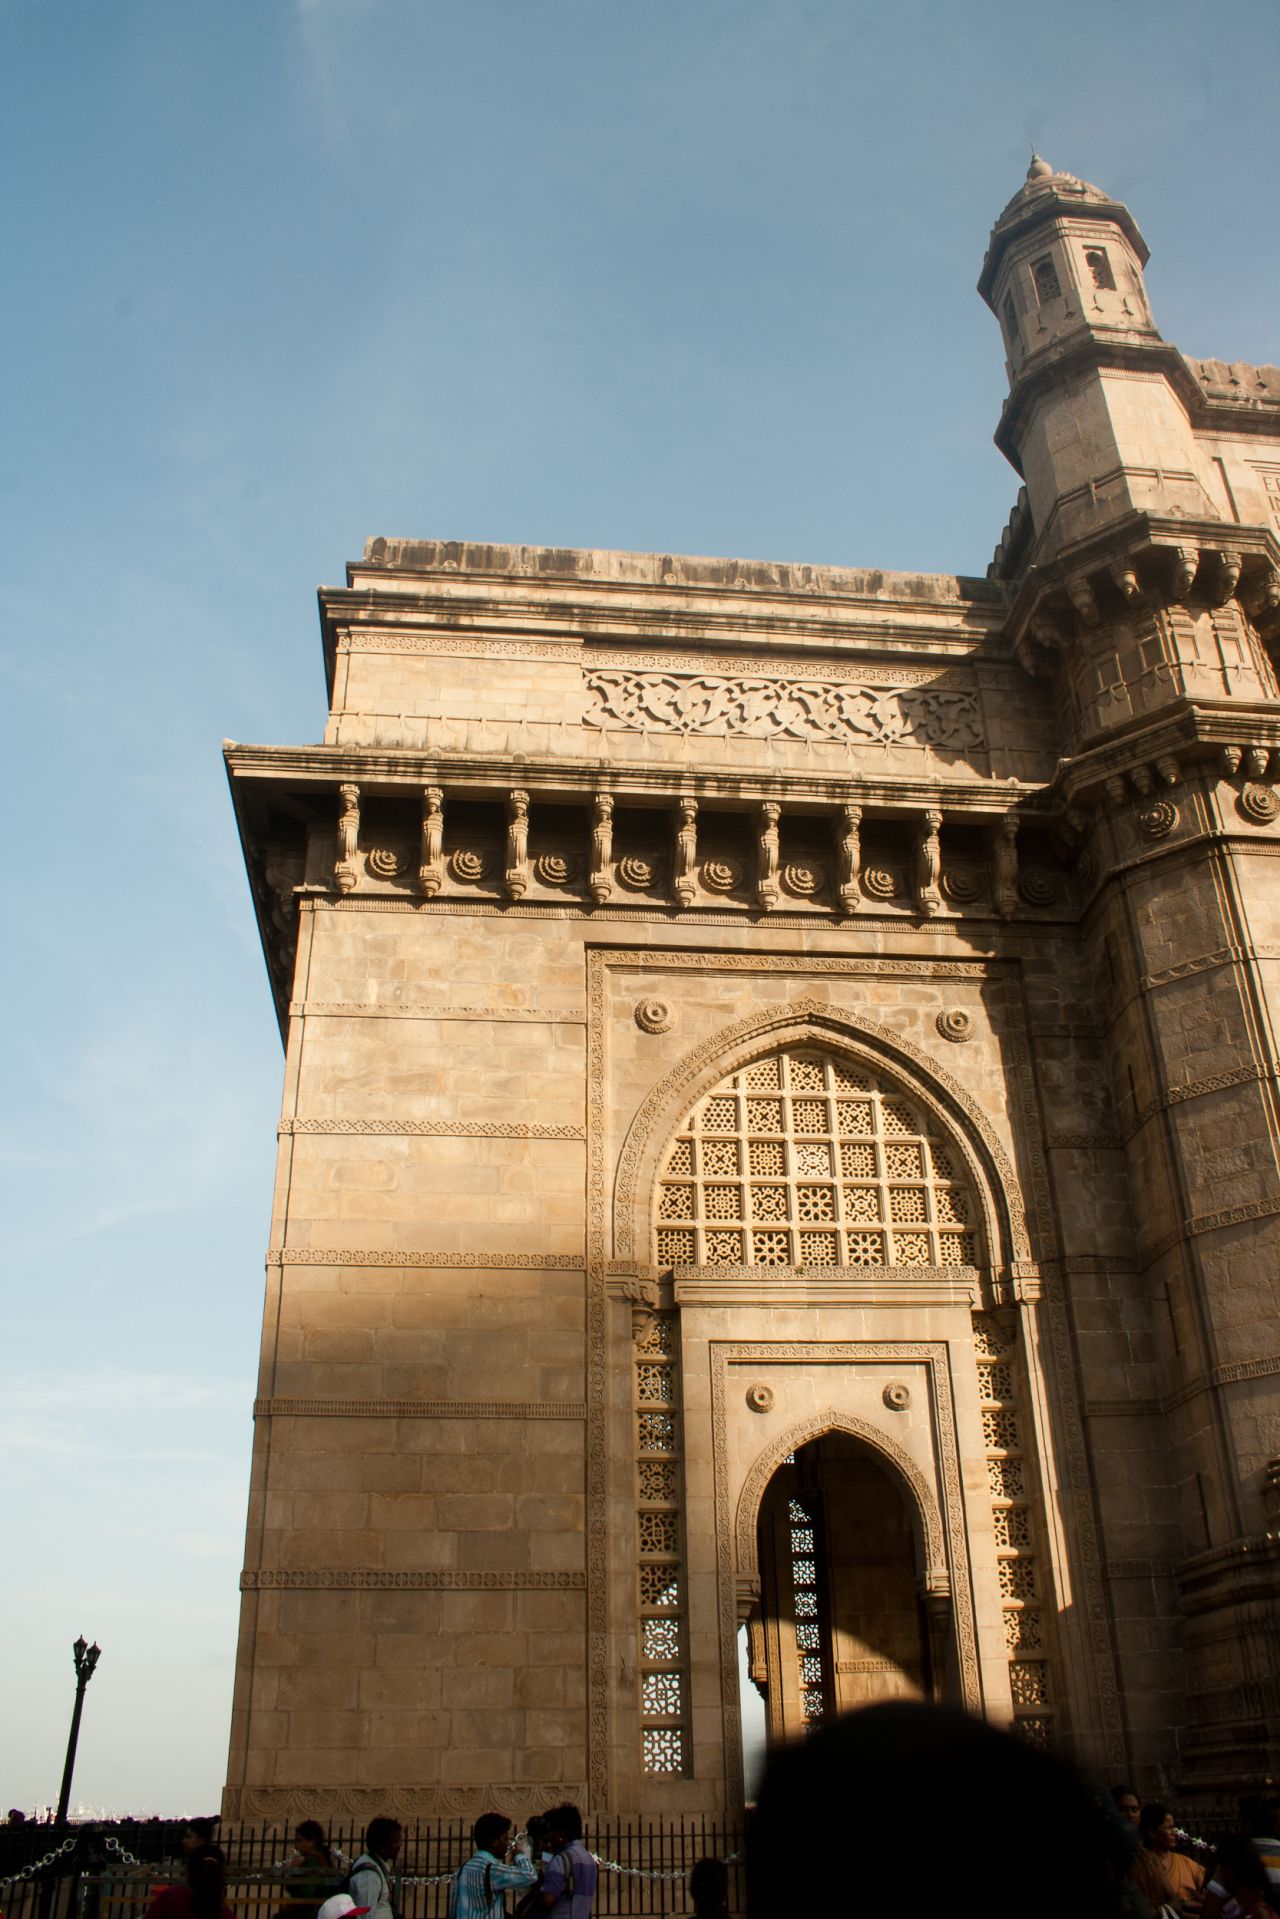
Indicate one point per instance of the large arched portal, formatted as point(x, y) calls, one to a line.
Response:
point(842, 1619)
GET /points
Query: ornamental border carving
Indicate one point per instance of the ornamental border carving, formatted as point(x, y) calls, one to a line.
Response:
point(1231, 1373)
point(424, 1009)
point(432, 1128)
point(934, 1355)
point(412, 1579)
point(373, 1256)
point(766, 706)
point(816, 1022)
point(282, 1408)
point(1198, 1088)
point(256, 1804)
point(1208, 1223)
point(679, 959)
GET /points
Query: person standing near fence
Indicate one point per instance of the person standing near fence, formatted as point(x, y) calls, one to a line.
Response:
point(371, 1879)
point(494, 1869)
point(569, 1881)
point(204, 1896)
point(313, 1871)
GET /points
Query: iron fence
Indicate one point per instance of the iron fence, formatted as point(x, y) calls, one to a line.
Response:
point(113, 1872)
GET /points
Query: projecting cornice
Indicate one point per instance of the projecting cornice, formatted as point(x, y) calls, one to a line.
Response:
point(531, 596)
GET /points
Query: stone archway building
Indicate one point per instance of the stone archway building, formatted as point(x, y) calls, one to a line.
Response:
point(741, 1014)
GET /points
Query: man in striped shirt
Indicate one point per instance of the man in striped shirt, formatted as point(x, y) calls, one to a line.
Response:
point(493, 1870)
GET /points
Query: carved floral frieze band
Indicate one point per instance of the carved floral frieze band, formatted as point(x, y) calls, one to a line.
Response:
point(778, 708)
point(360, 1803)
point(563, 1409)
point(374, 1256)
point(375, 1579)
point(434, 1128)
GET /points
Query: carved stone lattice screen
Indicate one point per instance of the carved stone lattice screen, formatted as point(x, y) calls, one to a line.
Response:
point(806, 1600)
point(664, 1695)
point(805, 1159)
point(1027, 1628)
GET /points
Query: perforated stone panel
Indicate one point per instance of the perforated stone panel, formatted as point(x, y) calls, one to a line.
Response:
point(804, 1160)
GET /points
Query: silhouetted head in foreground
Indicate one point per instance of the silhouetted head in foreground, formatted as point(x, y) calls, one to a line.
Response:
point(709, 1889)
point(909, 1796)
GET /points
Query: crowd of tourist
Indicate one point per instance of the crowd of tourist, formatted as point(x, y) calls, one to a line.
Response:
point(899, 1806)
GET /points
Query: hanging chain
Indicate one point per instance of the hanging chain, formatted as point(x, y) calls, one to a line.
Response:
point(38, 1865)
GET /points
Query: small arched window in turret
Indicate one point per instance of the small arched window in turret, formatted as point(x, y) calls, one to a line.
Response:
point(1045, 275)
point(1095, 258)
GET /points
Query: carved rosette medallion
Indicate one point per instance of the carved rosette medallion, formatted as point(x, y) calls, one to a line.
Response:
point(956, 1025)
point(881, 882)
point(654, 1016)
point(469, 866)
point(637, 873)
point(760, 1398)
point(803, 878)
point(896, 1396)
point(1038, 887)
point(961, 884)
point(385, 863)
point(557, 869)
point(1158, 820)
point(1259, 804)
point(721, 876)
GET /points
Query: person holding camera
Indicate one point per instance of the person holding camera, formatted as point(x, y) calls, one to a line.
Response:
point(494, 1869)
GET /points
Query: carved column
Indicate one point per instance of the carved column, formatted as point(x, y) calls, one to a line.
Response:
point(684, 884)
point(928, 863)
point(431, 854)
point(344, 871)
point(601, 882)
point(1005, 860)
point(850, 856)
point(516, 879)
point(767, 855)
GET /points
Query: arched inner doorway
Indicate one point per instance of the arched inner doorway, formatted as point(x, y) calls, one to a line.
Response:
point(842, 1620)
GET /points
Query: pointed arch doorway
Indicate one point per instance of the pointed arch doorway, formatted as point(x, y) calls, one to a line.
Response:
point(843, 1618)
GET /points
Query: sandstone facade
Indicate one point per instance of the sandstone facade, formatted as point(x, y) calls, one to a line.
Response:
point(780, 1101)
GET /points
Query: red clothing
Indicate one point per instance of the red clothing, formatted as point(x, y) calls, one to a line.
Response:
point(174, 1902)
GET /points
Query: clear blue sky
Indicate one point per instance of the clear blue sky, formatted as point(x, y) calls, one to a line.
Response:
point(282, 274)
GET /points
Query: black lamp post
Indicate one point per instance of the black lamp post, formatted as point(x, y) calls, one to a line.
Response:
point(86, 1658)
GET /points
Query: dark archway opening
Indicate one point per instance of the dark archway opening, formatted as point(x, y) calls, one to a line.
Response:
point(842, 1619)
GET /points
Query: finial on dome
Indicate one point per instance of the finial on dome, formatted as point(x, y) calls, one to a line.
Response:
point(1039, 169)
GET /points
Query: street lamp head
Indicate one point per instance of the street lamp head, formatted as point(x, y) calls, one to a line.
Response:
point(86, 1658)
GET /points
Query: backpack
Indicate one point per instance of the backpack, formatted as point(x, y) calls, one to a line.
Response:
point(366, 1863)
point(565, 1859)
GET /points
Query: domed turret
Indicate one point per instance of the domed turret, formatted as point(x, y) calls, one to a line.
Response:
point(1064, 262)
